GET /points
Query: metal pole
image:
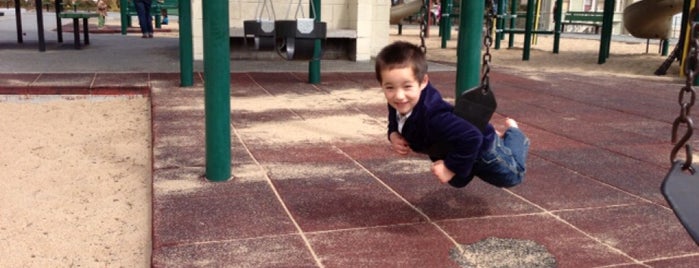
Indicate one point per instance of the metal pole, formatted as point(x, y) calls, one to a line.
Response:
point(186, 47)
point(500, 25)
point(123, 5)
point(314, 64)
point(513, 23)
point(558, 16)
point(445, 21)
point(217, 79)
point(468, 52)
point(606, 34)
point(528, 30)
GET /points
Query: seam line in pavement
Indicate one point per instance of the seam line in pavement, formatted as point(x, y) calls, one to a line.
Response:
point(416, 209)
point(281, 201)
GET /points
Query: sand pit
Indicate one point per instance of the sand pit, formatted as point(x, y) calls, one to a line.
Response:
point(76, 181)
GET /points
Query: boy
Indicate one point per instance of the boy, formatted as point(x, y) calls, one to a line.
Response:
point(421, 121)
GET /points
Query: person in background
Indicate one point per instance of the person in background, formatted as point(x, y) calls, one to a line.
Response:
point(145, 21)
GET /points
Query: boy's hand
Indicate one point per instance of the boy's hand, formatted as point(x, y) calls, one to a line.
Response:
point(399, 144)
point(441, 171)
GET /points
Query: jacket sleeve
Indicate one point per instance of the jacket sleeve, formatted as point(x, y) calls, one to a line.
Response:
point(465, 140)
point(392, 121)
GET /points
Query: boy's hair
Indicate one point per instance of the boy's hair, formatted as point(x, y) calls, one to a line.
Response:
point(401, 54)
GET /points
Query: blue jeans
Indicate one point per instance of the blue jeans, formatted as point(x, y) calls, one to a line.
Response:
point(144, 18)
point(504, 164)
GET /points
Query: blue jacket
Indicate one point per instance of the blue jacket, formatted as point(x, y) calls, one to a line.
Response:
point(434, 129)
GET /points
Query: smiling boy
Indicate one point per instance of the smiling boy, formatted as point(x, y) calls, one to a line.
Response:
point(420, 120)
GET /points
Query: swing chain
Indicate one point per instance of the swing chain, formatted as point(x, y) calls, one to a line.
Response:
point(691, 69)
point(423, 25)
point(489, 16)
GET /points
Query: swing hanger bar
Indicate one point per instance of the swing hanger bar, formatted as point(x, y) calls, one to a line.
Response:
point(259, 10)
point(299, 8)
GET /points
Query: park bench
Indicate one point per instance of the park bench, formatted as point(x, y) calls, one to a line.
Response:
point(584, 18)
point(171, 6)
point(76, 16)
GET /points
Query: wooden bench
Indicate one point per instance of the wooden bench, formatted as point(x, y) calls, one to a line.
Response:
point(584, 18)
point(76, 16)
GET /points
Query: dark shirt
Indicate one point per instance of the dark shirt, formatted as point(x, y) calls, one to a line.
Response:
point(433, 129)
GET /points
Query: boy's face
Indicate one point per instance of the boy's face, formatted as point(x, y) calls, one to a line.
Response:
point(402, 89)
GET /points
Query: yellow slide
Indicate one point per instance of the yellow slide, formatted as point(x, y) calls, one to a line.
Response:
point(400, 11)
point(651, 18)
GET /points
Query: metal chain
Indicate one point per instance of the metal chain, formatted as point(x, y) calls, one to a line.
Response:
point(691, 69)
point(487, 43)
point(423, 25)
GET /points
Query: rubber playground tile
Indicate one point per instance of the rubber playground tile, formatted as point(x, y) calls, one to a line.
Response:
point(324, 197)
point(121, 80)
point(242, 119)
point(628, 174)
point(303, 153)
point(554, 187)
point(243, 85)
point(17, 80)
point(413, 180)
point(368, 80)
point(174, 80)
point(179, 156)
point(64, 80)
point(657, 154)
point(543, 141)
point(179, 99)
point(234, 211)
point(271, 251)
point(411, 245)
point(643, 231)
point(569, 247)
point(679, 262)
point(366, 151)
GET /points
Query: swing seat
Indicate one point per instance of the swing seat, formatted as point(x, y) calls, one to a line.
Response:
point(262, 31)
point(477, 106)
point(295, 39)
point(681, 190)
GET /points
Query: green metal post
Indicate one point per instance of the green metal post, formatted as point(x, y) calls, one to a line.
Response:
point(665, 47)
point(186, 48)
point(606, 35)
point(445, 21)
point(468, 53)
point(513, 23)
point(500, 22)
point(529, 26)
point(123, 5)
point(217, 79)
point(558, 16)
point(314, 64)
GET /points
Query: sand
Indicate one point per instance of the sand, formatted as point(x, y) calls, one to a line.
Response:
point(76, 184)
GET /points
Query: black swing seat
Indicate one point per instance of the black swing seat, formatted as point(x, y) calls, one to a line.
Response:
point(681, 190)
point(296, 38)
point(476, 105)
point(262, 31)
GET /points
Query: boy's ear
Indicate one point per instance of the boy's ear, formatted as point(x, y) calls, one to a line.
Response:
point(425, 81)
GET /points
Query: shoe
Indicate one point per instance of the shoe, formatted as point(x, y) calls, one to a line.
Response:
point(150, 35)
point(165, 20)
point(144, 36)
